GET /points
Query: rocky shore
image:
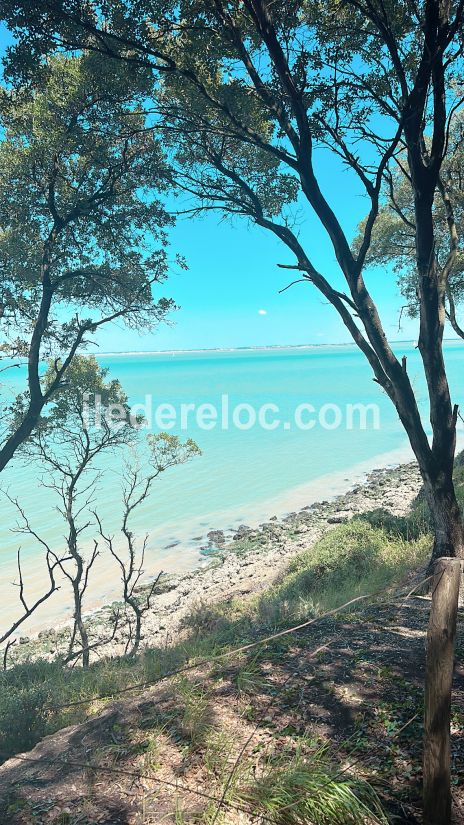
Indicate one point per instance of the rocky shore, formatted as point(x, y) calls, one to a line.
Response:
point(244, 563)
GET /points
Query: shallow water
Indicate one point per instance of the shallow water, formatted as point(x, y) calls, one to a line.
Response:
point(242, 476)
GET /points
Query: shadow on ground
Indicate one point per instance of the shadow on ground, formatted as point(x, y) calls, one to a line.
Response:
point(360, 693)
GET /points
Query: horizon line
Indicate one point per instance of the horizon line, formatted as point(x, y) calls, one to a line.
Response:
point(247, 347)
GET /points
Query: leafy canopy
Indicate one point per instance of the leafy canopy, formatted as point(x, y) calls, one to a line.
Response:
point(80, 207)
point(394, 234)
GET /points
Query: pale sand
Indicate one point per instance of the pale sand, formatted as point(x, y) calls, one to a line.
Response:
point(273, 545)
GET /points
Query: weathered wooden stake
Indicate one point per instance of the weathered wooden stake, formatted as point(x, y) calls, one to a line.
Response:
point(438, 682)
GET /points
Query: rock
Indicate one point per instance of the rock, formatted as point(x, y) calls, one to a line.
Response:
point(44, 634)
point(271, 528)
point(216, 537)
point(242, 532)
point(229, 569)
point(337, 518)
point(243, 528)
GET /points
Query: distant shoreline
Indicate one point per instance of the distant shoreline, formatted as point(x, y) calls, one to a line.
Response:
point(263, 348)
point(269, 348)
point(222, 350)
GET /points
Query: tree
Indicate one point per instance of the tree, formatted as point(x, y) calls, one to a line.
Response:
point(247, 89)
point(28, 608)
point(82, 228)
point(89, 419)
point(165, 451)
point(68, 440)
point(393, 236)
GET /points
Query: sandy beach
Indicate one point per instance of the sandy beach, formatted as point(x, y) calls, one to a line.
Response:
point(240, 565)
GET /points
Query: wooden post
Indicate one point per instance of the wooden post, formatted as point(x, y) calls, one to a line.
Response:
point(438, 682)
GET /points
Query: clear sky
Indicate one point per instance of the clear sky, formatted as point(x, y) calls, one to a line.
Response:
point(230, 297)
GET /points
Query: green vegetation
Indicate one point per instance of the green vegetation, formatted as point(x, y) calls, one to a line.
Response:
point(393, 240)
point(368, 554)
point(299, 788)
point(354, 559)
point(351, 559)
point(83, 238)
point(108, 110)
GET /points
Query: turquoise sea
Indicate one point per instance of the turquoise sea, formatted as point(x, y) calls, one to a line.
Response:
point(243, 475)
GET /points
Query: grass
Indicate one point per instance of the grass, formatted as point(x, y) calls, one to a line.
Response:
point(352, 559)
point(193, 711)
point(294, 789)
point(360, 557)
point(300, 785)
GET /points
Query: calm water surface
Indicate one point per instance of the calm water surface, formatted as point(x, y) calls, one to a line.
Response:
point(242, 476)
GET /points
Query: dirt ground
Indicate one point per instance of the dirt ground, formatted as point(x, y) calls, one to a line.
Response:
point(146, 759)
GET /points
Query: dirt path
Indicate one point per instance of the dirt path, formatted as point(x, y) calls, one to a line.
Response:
point(357, 694)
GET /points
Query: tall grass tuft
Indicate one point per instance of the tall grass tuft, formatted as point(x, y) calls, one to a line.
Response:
point(308, 789)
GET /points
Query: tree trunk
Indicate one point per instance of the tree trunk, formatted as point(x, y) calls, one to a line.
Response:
point(438, 684)
point(138, 625)
point(79, 626)
point(20, 435)
point(82, 633)
point(447, 519)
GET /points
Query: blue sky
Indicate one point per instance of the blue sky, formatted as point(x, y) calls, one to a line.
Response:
point(230, 297)
point(233, 279)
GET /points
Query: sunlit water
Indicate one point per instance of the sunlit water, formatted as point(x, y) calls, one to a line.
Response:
point(242, 476)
